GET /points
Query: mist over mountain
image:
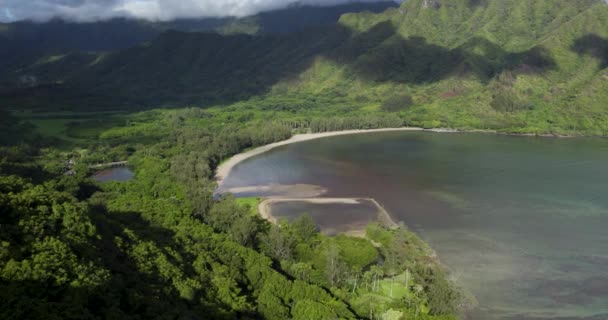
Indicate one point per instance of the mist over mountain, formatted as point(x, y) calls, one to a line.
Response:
point(25, 42)
point(151, 10)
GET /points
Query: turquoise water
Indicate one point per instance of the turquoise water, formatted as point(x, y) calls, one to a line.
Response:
point(521, 222)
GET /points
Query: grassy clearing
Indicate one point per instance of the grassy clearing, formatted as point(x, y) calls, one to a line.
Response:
point(92, 128)
point(72, 127)
point(55, 128)
point(251, 203)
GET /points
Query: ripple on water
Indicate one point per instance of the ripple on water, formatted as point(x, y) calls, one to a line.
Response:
point(520, 221)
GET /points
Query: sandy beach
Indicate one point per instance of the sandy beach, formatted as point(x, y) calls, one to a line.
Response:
point(224, 169)
point(304, 193)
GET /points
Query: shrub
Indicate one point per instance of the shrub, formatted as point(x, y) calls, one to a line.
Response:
point(505, 98)
point(397, 103)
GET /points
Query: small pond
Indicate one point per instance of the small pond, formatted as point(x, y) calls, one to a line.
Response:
point(118, 174)
point(332, 218)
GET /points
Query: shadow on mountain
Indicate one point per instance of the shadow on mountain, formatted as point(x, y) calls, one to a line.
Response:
point(299, 17)
point(44, 300)
point(593, 45)
point(129, 292)
point(180, 68)
point(15, 159)
point(382, 55)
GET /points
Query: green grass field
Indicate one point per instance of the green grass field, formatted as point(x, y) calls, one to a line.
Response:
point(252, 203)
point(72, 127)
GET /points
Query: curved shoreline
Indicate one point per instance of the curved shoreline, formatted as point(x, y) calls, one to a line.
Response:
point(223, 170)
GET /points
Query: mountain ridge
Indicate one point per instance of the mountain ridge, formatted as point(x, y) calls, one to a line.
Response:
point(511, 65)
point(25, 42)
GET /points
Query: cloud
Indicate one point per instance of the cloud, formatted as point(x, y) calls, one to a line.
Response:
point(92, 10)
point(8, 14)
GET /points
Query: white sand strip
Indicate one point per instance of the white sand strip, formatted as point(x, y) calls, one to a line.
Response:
point(280, 190)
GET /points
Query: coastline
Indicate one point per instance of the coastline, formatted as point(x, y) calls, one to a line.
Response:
point(264, 209)
point(224, 169)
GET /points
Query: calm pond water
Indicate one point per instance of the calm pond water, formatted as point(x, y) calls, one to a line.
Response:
point(114, 174)
point(332, 218)
point(521, 222)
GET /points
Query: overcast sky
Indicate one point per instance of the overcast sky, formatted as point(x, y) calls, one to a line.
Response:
point(91, 10)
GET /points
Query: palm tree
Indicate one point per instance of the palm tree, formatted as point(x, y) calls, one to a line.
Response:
point(377, 274)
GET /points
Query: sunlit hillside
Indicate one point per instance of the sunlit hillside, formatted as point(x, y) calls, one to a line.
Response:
point(521, 66)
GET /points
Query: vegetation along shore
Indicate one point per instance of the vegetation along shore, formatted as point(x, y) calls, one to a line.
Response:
point(184, 101)
point(201, 245)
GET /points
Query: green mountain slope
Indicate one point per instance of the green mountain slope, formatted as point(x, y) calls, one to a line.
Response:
point(161, 246)
point(541, 61)
point(515, 65)
point(23, 43)
point(297, 18)
point(522, 66)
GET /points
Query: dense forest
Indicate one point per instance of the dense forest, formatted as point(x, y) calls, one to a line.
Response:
point(518, 66)
point(162, 246)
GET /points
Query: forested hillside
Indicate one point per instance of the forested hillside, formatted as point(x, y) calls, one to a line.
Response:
point(162, 247)
point(518, 66)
